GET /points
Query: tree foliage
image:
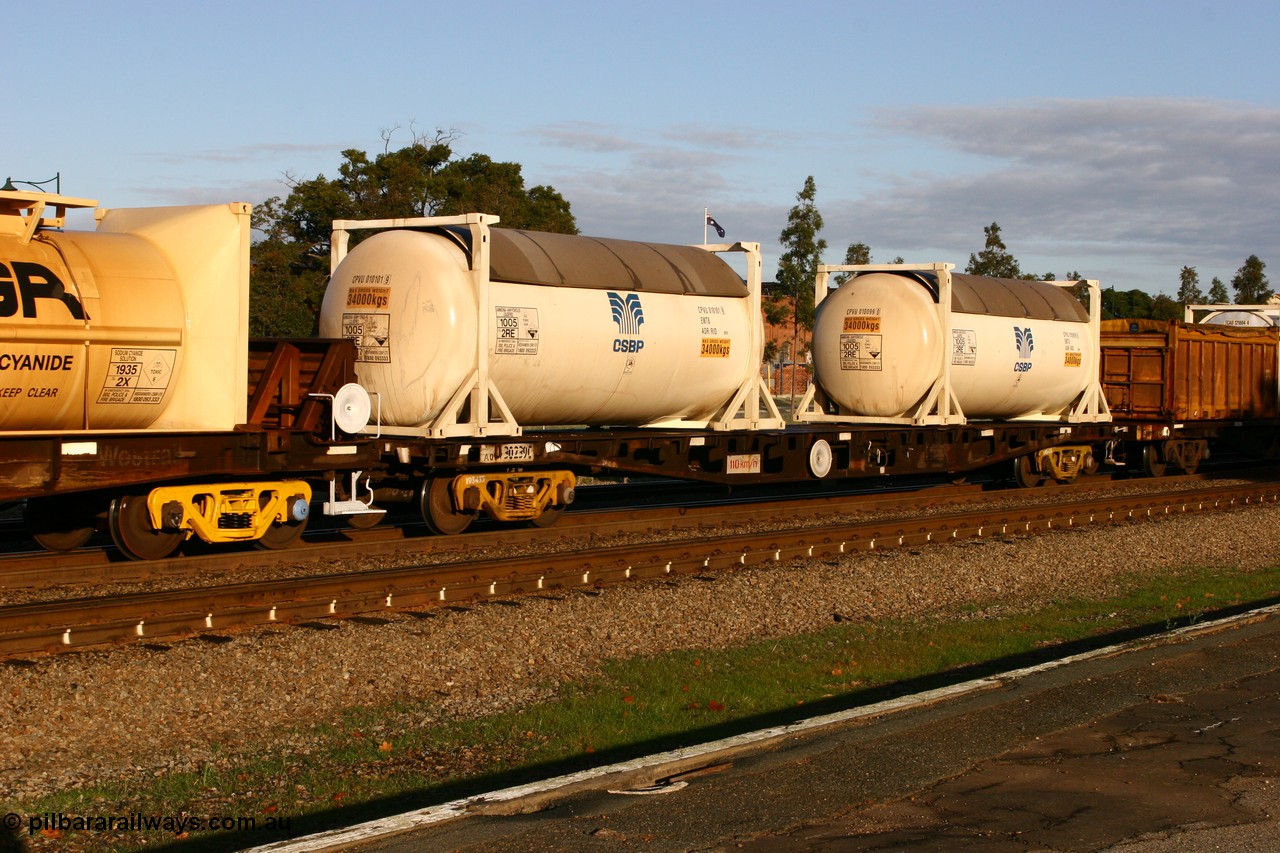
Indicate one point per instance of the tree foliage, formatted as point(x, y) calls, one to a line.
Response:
point(994, 259)
point(802, 252)
point(290, 265)
point(1131, 304)
point(1250, 282)
point(1218, 292)
point(857, 253)
point(1189, 287)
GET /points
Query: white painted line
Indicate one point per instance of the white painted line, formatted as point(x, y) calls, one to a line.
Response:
point(421, 818)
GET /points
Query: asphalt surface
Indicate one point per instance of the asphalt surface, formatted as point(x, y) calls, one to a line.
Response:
point(1171, 745)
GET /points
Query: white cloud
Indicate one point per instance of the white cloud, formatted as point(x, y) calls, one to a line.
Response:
point(1183, 181)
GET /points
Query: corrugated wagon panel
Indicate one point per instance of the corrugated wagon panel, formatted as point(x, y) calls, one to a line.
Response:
point(1153, 369)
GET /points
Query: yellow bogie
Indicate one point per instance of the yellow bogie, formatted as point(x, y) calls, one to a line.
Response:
point(231, 512)
point(449, 505)
point(519, 496)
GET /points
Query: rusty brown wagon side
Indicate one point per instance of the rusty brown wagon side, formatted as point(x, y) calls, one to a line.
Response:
point(1180, 384)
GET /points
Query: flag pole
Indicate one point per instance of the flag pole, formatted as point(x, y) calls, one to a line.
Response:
point(706, 215)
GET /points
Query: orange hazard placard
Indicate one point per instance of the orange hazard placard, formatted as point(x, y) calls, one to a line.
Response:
point(715, 347)
point(869, 323)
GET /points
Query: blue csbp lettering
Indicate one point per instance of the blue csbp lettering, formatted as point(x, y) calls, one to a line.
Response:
point(627, 345)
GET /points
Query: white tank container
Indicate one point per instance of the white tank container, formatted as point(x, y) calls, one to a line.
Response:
point(581, 330)
point(1014, 349)
point(95, 327)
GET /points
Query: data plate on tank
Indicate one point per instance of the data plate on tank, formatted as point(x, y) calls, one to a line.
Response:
point(137, 375)
point(517, 331)
point(964, 346)
point(371, 334)
point(861, 352)
point(1072, 349)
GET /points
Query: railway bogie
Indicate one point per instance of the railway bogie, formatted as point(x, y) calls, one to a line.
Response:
point(449, 501)
point(1060, 463)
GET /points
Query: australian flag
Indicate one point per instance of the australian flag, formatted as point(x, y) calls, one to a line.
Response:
point(715, 225)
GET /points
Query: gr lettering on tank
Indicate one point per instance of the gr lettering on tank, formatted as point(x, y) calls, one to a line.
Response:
point(24, 284)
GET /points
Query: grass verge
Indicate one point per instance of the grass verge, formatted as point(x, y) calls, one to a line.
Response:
point(380, 760)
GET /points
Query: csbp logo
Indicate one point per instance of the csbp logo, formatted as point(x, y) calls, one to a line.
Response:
point(626, 312)
point(23, 282)
point(629, 315)
point(1022, 337)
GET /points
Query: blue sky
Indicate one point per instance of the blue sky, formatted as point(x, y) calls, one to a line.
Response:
point(1120, 139)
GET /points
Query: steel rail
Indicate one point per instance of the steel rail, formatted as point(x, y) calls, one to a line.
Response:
point(79, 623)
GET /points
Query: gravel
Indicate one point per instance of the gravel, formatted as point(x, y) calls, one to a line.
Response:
point(142, 711)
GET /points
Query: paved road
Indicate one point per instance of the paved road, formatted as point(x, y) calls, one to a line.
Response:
point(1172, 746)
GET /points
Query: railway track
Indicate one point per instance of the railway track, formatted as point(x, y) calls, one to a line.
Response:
point(602, 511)
point(456, 578)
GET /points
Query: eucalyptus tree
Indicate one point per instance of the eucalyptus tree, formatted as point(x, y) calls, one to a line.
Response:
point(802, 252)
point(1250, 282)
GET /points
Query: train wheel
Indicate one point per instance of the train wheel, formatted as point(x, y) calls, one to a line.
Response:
point(366, 520)
point(1151, 461)
point(1024, 474)
point(549, 516)
point(282, 534)
point(437, 509)
point(59, 524)
point(130, 526)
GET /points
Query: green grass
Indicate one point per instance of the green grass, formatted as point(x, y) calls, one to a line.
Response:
point(381, 759)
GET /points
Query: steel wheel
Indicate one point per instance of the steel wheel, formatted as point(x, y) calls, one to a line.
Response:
point(59, 524)
point(1024, 475)
point(281, 534)
point(437, 508)
point(365, 520)
point(131, 529)
point(1151, 461)
point(549, 516)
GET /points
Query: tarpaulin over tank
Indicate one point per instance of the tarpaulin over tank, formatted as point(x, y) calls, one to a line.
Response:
point(570, 260)
point(1008, 297)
